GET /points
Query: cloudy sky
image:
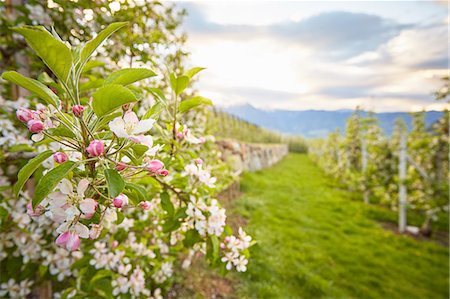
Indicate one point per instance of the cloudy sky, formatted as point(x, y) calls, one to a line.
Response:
point(298, 55)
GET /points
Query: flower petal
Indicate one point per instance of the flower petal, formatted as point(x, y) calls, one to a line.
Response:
point(63, 227)
point(130, 117)
point(117, 126)
point(144, 126)
point(82, 186)
point(65, 186)
point(82, 230)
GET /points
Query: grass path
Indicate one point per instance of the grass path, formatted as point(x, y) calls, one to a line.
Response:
point(315, 242)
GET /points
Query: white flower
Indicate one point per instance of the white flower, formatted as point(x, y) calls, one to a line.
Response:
point(130, 126)
point(62, 203)
point(203, 175)
point(229, 259)
point(216, 220)
point(241, 264)
point(245, 239)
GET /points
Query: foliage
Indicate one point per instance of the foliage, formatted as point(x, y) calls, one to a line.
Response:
point(229, 126)
point(125, 197)
point(314, 241)
point(427, 173)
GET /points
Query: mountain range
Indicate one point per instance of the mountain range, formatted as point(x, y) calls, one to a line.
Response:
point(316, 123)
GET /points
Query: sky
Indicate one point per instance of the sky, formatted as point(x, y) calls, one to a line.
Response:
point(299, 55)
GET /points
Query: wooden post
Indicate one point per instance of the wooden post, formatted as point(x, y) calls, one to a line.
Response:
point(364, 168)
point(402, 187)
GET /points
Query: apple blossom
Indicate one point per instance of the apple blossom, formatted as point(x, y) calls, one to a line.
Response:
point(145, 205)
point(68, 240)
point(154, 166)
point(38, 211)
point(60, 157)
point(74, 199)
point(120, 201)
point(35, 126)
point(88, 207)
point(77, 110)
point(163, 172)
point(95, 231)
point(96, 148)
point(24, 115)
point(131, 127)
point(121, 166)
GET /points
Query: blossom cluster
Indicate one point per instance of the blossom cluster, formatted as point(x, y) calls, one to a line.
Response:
point(117, 197)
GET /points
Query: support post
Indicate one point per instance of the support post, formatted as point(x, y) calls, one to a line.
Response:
point(364, 169)
point(402, 187)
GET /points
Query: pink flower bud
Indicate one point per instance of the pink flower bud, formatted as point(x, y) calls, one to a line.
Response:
point(145, 205)
point(202, 139)
point(163, 172)
point(35, 126)
point(95, 148)
point(121, 166)
point(38, 211)
point(154, 166)
point(24, 115)
point(179, 135)
point(60, 157)
point(73, 243)
point(62, 239)
point(114, 244)
point(78, 110)
point(95, 231)
point(120, 201)
point(198, 161)
point(88, 207)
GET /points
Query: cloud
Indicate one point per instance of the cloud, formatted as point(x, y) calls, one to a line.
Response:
point(337, 34)
point(341, 34)
point(330, 59)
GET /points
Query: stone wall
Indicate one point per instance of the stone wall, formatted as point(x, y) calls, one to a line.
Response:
point(251, 156)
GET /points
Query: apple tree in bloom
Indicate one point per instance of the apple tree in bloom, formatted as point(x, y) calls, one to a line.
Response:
point(114, 199)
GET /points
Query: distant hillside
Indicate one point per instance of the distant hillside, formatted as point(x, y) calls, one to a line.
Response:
point(315, 123)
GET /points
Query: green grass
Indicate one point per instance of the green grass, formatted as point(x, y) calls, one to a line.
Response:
point(316, 242)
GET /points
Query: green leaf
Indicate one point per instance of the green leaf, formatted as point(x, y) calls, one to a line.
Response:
point(110, 97)
point(193, 71)
point(99, 275)
point(166, 204)
point(212, 248)
point(94, 43)
point(171, 225)
point(55, 54)
point(115, 182)
point(181, 213)
point(49, 181)
point(61, 131)
point(128, 76)
point(139, 150)
point(140, 191)
point(3, 213)
point(120, 218)
point(154, 112)
point(191, 237)
point(193, 102)
point(178, 84)
point(106, 119)
point(26, 171)
point(159, 94)
point(92, 64)
point(92, 83)
point(32, 85)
